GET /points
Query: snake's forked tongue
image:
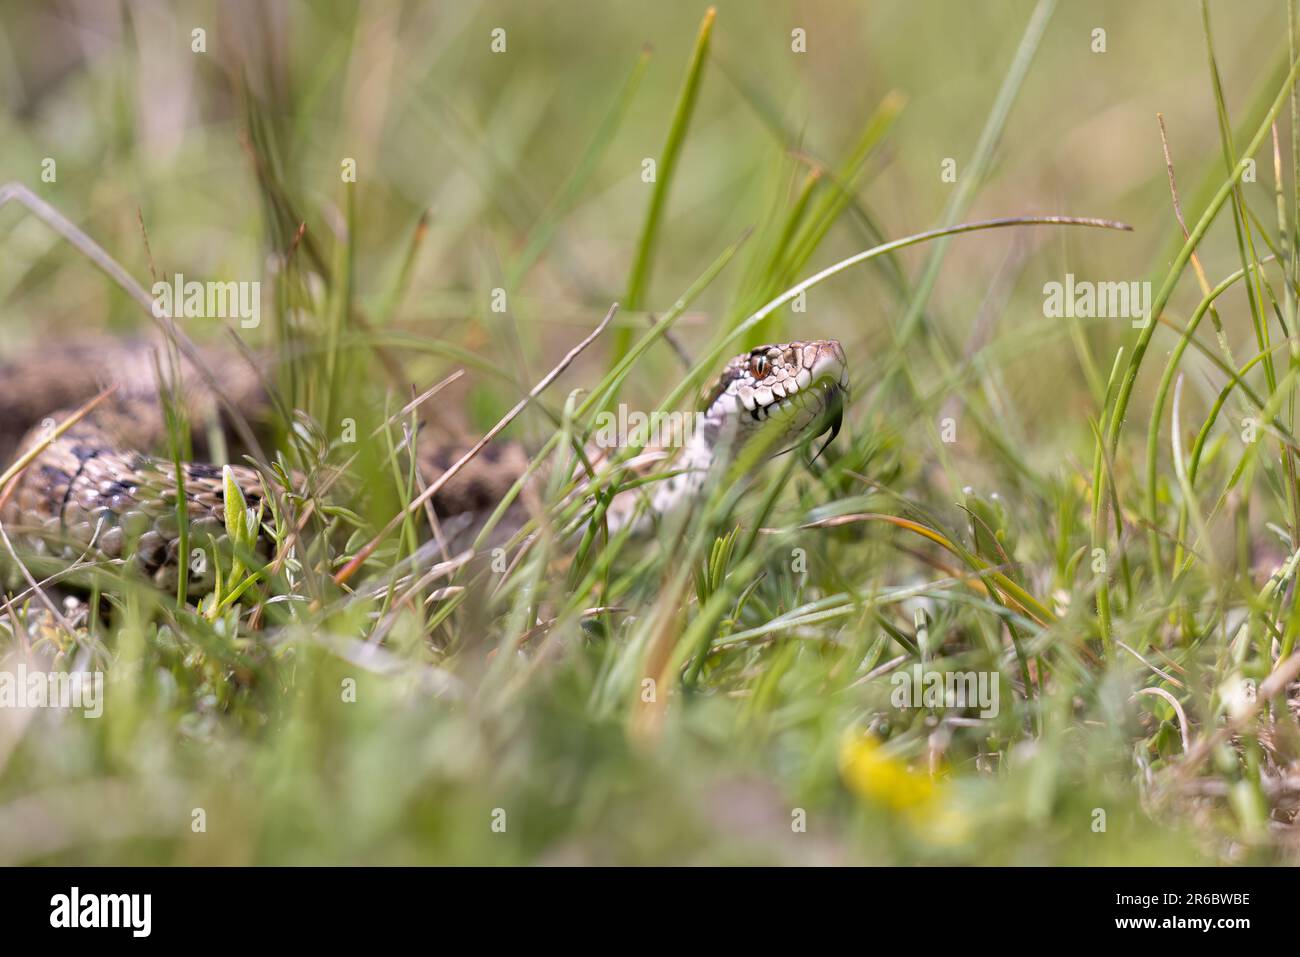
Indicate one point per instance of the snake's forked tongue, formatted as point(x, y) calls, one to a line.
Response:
point(834, 419)
point(833, 426)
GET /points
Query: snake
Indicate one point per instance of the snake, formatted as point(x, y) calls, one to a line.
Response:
point(99, 485)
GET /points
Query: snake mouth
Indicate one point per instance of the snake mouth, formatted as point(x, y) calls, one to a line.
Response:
point(834, 395)
point(789, 394)
point(814, 411)
point(819, 409)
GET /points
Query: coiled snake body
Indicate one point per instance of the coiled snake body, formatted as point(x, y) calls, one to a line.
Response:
point(96, 483)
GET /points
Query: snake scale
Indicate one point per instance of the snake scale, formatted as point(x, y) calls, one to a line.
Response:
point(101, 484)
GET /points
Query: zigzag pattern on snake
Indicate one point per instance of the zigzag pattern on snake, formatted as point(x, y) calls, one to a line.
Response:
point(102, 483)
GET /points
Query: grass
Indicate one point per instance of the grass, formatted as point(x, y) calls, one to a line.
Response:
point(1104, 528)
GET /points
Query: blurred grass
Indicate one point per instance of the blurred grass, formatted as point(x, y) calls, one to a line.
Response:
point(399, 723)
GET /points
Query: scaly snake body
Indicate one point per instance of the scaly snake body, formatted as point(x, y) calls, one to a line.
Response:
point(96, 483)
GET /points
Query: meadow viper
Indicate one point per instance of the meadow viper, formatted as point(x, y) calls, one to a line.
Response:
point(99, 482)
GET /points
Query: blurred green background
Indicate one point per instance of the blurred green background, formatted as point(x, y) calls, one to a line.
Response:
point(486, 142)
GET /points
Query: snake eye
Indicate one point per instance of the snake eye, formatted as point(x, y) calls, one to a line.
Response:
point(758, 366)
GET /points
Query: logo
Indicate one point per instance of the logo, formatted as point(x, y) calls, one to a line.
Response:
point(103, 910)
point(919, 688)
point(209, 300)
point(1098, 300)
point(662, 430)
point(22, 688)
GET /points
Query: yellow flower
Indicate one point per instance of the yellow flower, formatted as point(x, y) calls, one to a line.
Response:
point(877, 776)
point(871, 773)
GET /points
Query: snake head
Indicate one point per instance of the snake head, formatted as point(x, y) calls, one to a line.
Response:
point(792, 392)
